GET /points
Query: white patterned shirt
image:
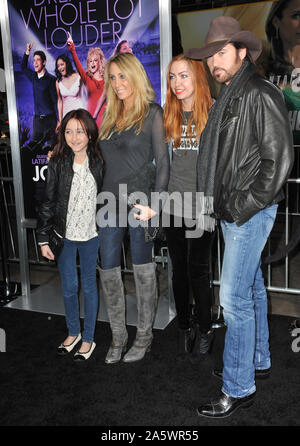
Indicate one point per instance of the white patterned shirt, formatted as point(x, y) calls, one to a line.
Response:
point(81, 215)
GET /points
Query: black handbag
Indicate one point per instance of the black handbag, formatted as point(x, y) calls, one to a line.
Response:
point(157, 234)
point(56, 243)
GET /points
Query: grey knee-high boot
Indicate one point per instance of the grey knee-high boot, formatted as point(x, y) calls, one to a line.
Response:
point(113, 293)
point(147, 297)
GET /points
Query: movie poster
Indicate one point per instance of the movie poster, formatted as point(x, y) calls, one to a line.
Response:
point(277, 24)
point(97, 29)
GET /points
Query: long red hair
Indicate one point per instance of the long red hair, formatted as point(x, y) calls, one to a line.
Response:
point(173, 113)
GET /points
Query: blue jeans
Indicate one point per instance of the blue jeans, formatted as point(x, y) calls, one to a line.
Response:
point(110, 243)
point(88, 253)
point(244, 301)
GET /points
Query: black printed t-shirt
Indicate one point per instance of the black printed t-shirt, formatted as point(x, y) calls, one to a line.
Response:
point(183, 175)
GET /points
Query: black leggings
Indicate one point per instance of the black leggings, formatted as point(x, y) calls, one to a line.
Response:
point(190, 261)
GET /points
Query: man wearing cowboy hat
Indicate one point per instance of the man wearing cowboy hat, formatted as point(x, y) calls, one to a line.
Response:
point(245, 157)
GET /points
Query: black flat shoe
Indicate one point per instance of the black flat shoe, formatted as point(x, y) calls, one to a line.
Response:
point(81, 357)
point(259, 373)
point(224, 406)
point(65, 349)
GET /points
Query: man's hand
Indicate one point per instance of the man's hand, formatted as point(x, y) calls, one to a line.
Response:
point(28, 48)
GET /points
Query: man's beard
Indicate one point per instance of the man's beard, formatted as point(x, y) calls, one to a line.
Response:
point(223, 76)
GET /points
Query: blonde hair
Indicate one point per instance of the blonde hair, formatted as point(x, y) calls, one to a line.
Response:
point(173, 115)
point(144, 94)
point(98, 52)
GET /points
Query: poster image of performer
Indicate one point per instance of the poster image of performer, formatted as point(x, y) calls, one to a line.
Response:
point(93, 79)
point(67, 44)
point(69, 87)
point(283, 68)
point(44, 95)
point(277, 24)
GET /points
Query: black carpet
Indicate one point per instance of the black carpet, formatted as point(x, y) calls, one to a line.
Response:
point(40, 389)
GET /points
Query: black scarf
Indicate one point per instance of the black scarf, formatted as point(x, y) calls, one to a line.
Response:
point(209, 145)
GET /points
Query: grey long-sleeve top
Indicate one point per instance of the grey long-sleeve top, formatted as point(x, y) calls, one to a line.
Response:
point(125, 153)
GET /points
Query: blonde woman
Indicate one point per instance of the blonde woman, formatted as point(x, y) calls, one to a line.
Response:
point(131, 137)
point(93, 79)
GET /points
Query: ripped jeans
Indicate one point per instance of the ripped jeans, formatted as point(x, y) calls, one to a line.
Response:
point(244, 301)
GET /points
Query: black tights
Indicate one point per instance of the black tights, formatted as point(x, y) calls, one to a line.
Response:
point(190, 262)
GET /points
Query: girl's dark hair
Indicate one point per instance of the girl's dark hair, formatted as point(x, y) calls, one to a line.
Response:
point(69, 67)
point(62, 150)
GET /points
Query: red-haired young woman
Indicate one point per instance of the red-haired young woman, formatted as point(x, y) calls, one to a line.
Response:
point(188, 101)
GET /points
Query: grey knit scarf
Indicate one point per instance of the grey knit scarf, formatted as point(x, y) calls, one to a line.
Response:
point(209, 145)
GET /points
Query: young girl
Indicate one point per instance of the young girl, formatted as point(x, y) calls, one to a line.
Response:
point(74, 179)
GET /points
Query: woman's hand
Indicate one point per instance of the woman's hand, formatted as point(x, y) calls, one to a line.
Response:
point(145, 212)
point(69, 39)
point(46, 252)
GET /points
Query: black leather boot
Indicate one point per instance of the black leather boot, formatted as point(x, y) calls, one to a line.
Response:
point(203, 345)
point(185, 342)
